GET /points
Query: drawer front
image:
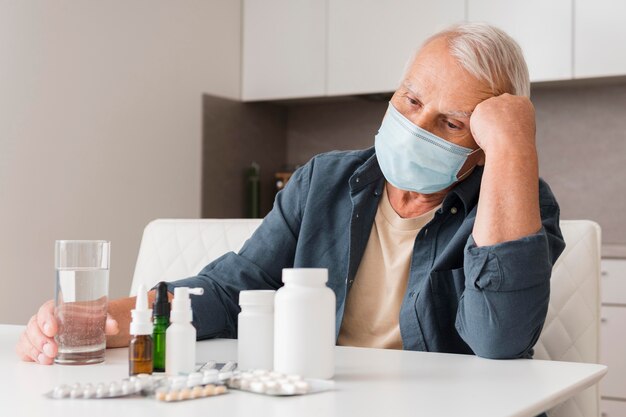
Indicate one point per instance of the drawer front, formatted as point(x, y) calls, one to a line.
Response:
point(612, 408)
point(614, 281)
point(613, 351)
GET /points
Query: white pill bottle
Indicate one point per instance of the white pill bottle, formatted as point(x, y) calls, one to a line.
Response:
point(304, 324)
point(255, 330)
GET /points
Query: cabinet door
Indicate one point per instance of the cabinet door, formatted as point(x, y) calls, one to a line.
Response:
point(614, 282)
point(600, 35)
point(612, 408)
point(613, 351)
point(542, 28)
point(284, 49)
point(369, 41)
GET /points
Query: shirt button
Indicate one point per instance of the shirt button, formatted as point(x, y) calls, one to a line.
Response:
point(453, 210)
point(357, 215)
point(351, 281)
point(357, 180)
point(425, 232)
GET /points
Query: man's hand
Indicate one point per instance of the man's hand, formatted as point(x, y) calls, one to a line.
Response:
point(504, 123)
point(37, 342)
point(508, 206)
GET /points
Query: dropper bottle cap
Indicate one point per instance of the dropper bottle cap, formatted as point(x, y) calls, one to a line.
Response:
point(141, 323)
point(161, 306)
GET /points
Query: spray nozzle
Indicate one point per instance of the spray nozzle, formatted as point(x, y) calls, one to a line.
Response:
point(141, 323)
point(181, 304)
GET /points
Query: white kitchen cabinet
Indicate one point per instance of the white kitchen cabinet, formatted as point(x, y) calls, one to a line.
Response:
point(543, 30)
point(600, 35)
point(283, 49)
point(614, 282)
point(610, 408)
point(613, 337)
point(613, 351)
point(369, 41)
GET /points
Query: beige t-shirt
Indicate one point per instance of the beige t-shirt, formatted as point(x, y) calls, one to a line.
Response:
point(372, 313)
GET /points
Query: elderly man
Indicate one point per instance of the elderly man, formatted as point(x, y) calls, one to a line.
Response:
point(441, 237)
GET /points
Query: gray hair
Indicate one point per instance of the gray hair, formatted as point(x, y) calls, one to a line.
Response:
point(489, 54)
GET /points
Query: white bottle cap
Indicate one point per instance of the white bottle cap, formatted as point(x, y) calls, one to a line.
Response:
point(142, 315)
point(257, 297)
point(181, 304)
point(305, 276)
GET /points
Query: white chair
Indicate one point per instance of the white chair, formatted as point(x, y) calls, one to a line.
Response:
point(571, 330)
point(177, 248)
point(173, 249)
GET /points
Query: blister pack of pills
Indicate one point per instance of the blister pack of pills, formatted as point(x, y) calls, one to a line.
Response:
point(265, 382)
point(208, 381)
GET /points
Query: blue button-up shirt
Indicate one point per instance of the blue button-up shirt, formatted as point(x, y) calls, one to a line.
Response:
point(489, 301)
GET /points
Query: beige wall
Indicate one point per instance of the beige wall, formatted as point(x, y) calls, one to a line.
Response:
point(100, 127)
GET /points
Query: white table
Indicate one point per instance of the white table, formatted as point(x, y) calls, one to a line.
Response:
point(368, 382)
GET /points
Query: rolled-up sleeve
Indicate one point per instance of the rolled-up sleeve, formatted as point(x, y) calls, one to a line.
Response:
point(507, 290)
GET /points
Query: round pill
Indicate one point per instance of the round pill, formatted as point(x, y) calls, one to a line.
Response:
point(223, 376)
point(287, 389)
point(247, 375)
point(277, 375)
point(114, 389)
point(184, 394)
point(195, 377)
point(61, 391)
point(76, 393)
point(234, 382)
point(160, 395)
point(178, 382)
point(245, 384)
point(127, 387)
point(302, 387)
point(260, 372)
point(101, 391)
point(257, 386)
point(220, 389)
point(171, 396)
point(208, 390)
point(209, 376)
point(272, 387)
point(89, 391)
point(196, 392)
point(294, 377)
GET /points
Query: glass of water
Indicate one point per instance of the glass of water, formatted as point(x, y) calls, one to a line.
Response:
point(81, 297)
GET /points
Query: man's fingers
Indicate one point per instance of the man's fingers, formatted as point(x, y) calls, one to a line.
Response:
point(29, 353)
point(111, 327)
point(46, 320)
point(43, 344)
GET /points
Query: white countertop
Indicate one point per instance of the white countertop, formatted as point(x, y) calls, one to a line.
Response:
point(368, 382)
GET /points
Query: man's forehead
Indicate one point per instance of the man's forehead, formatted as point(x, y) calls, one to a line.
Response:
point(413, 89)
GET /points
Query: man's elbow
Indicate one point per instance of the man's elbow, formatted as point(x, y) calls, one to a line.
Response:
point(501, 343)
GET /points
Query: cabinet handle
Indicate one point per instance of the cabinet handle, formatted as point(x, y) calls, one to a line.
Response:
point(604, 320)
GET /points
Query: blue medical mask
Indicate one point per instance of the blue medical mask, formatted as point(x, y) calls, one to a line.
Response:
point(414, 159)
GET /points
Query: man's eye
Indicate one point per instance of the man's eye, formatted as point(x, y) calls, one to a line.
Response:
point(412, 101)
point(452, 125)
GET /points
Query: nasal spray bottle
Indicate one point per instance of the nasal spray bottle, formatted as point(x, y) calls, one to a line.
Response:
point(140, 348)
point(180, 338)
